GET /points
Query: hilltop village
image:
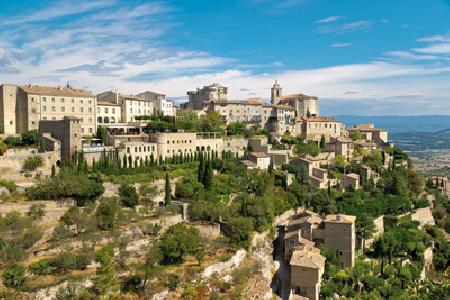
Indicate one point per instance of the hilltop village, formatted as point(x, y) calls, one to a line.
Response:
point(112, 194)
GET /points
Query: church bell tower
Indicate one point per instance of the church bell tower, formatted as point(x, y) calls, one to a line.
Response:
point(276, 93)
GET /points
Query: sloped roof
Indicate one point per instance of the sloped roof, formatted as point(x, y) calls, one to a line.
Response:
point(56, 91)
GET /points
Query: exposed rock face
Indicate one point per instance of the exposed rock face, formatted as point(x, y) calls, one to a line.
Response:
point(224, 268)
point(53, 209)
point(423, 216)
point(51, 292)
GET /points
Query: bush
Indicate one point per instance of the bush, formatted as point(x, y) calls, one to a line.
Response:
point(10, 185)
point(14, 276)
point(64, 262)
point(41, 267)
point(82, 188)
point(128, 195)
point(106, 213)
point(36, 211)
point(101, 253)
point(178, 242)
point(32, 163)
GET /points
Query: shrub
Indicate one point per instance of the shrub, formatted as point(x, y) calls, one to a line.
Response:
point(106, 213)
point(10, 185)
point(178, 242)
point(36, 211)
point(64, 262)
point(101, 253)
point(41, 267)
point(14, 276)
point(128, 195)
point(32, 163)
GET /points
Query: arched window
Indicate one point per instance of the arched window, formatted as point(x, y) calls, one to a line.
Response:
point(99, 120)
point(106, 119)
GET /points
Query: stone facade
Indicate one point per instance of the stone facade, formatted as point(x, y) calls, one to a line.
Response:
point(161, 105)
point(33, 103)
point(67, 131)
point(131, 106)
point(314, 127)
point(200, 98)
point(108, 113)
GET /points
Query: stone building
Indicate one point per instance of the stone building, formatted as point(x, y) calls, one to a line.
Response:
point(67, 131)
point(22, 107)
point(303, 105)
point(334, 231)
point(161, 105)
point(314, 127)
point(200, 98)
point(177, 143)
point(350, 180)
point(258, 160)
point(441, 182)
point(131, 106)
point(371, 134)
point(108, 113)
point(307, 267)
point(343, 146)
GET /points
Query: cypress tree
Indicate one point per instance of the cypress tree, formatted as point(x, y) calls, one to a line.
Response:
point(270, 169)
point(201, 169)
point(53, 171)
point(322, 142)
point(130, 162)
point(93, 165)
point(152, 160)
point(168, 191)
point(124, 161)
point(207, 177)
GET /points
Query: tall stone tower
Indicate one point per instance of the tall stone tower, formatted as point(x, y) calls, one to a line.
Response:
point(276, 93)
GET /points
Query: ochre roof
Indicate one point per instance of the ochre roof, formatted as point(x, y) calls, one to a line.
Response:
point(319, 119)
point(307, 256)
point(340, 218)
point(56, 91)
point(294, 96)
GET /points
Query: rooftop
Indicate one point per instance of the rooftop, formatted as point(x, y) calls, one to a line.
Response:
point(259, 154)
point(318, 119)
point(296, 96)
point(340, 219)
point(56, 91)
point(352, 175)
point(307, 256)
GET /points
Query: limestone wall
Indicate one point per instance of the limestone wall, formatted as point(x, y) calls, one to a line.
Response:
point(12, 161)
point(53, 209)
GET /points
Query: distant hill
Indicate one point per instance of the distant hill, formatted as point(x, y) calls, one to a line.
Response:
point(420, 141)
point(425, 123)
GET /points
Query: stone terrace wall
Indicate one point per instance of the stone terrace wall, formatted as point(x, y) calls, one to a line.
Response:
point(12, 161)
point(53, 209)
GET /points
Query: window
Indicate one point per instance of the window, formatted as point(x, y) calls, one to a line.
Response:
point(73, 100)
point(63, 108)
point(99, 120)
point(90, 130)
point(53, 108)
point(32, 99)
point(90, 101)
point(81, 109)
point(44, 99)
point(98, 110)
point(81, 101)
point(33, 110)
point(82, 130)
point(44, 118)
point(90, 120)
point(54, 118)
point(53, 99)
point(44, 108)
point(113, 110)
point(62, 100)
point(106, 110)
point(73, 109)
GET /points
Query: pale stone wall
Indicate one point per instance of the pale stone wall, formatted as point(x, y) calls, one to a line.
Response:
point(53, 209)
point(8, 94)
point(12, 161)
point(309, 278)
point(108, 113)
point(341, 237)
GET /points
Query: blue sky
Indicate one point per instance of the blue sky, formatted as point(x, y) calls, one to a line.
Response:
point(358, 56)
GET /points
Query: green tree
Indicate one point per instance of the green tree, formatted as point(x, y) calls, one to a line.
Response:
point(364, 228)
point(207, 179)
point(36, 211)
point(106, 213)
point(168, 191)
point(53, 174)
point(106, 280)
point(201, 168)
point(178, 242)
point(128, 195)
point(101, 134)
point(14, 276)
point(322, 143)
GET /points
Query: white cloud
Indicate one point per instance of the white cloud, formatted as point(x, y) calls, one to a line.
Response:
point(340, 45)
point(356, 26)
point(329, 19)
point(438, 48)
